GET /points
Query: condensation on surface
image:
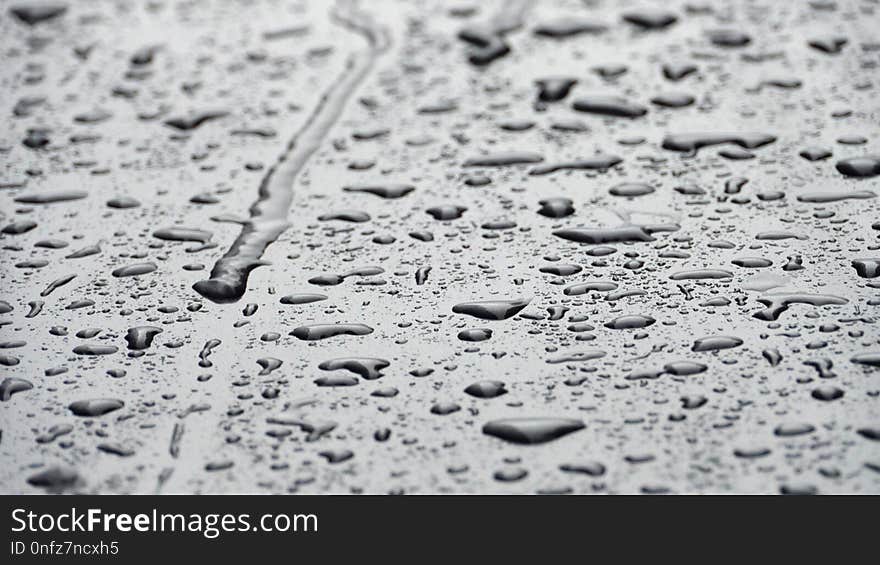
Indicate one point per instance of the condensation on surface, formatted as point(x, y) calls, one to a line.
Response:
point(476, 247)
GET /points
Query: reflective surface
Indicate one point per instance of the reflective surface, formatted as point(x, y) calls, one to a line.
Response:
point(479, 247)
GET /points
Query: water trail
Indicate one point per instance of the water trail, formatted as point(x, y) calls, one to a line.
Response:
point(268, 214)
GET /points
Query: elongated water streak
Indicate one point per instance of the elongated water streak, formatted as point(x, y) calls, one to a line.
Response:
point(268, 214)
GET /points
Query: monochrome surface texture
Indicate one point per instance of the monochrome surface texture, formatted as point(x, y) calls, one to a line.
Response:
point(406, 246)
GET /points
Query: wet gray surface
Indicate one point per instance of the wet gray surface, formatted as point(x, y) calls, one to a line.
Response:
point(440, 247)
